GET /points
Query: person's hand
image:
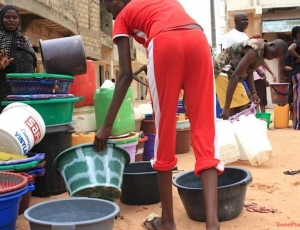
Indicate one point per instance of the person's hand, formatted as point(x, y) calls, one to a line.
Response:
point(267, 83)
point(4, 61)
point(225, 113)
point(287, 68)
point(255, 98)
point(298, 60)
point(274, 78)
point(101, 137)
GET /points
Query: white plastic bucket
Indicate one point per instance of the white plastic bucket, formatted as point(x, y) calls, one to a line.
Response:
point(21, 127)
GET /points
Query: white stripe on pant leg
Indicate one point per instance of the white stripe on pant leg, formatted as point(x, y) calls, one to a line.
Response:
point(154, 96)
point(221, 165)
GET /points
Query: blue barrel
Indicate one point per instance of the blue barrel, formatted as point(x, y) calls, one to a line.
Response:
point(149, 147)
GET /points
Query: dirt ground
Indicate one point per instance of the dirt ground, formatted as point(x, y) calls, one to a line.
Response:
point(270, 188)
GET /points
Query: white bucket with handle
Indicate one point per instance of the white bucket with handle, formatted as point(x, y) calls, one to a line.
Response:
point(21, 127)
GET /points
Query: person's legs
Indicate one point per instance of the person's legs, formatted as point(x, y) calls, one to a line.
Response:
point(296, 104)
point(200, 101)
point(290, 99)
point(165, 80)
point(260, 86)
point(209, 181)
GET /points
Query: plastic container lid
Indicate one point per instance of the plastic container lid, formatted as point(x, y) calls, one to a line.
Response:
point(107, 84)
point(30, 157)
point(38, 76)
point(48, 101)
point(20, 166)
point(133, 137)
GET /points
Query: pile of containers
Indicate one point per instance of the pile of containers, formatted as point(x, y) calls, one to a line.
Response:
point(183, 138)
point(148, 131)
point(31, 166)
point(183, 131)
point(48, 93)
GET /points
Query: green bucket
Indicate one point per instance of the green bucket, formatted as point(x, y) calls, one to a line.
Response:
point(264, 116)
point(54, 111)
point(88, 174)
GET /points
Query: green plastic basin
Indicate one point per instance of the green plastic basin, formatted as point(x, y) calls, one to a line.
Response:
point(54, 110)
point(88, 174)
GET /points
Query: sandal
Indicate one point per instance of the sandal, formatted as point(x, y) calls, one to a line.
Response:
point(291, 172)
point(150, 220)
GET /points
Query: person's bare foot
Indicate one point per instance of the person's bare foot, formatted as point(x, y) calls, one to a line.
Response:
point(156, 223)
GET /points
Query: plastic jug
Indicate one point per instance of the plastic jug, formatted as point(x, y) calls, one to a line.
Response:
point(253, 139)
point(125, 121)
point(82, 138)
point(281, 116)
point(229, 151)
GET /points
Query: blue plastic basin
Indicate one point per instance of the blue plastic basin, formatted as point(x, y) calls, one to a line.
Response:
point(9, 210)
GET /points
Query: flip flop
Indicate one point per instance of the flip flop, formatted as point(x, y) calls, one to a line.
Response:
point(291, 172)
point(150, 220)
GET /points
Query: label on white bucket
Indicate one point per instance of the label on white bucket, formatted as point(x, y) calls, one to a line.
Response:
point(21, 128)
point(33, 126)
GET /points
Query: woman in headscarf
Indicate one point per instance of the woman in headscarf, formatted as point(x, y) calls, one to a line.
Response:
point(17, 54)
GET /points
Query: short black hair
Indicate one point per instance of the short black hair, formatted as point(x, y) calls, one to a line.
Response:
point(295, 30)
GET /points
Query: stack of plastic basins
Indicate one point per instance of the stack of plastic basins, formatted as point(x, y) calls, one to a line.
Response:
point(123, 128)
point(48, 94)
point(30, 166)
point(12, 187)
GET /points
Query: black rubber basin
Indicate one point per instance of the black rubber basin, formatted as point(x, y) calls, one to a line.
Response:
point(140, 186)
point(232, 186)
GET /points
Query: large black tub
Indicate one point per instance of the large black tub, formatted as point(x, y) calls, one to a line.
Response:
point(140, 186)
point(232, 186)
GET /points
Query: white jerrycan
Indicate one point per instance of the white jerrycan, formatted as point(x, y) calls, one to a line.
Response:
point(253, 139)
point(229, 151)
